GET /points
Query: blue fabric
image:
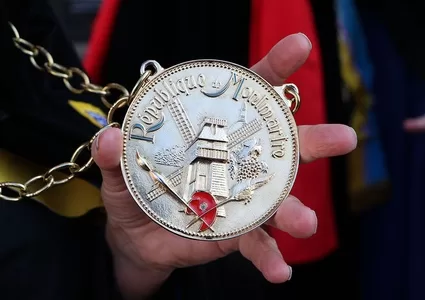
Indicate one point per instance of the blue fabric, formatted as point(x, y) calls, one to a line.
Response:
point(393, 235)
point(375, 169)
point(352, 31)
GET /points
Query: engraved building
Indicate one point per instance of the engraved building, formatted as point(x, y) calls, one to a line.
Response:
point(207, 158)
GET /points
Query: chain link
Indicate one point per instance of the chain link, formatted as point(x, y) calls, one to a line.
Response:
point(42, 60)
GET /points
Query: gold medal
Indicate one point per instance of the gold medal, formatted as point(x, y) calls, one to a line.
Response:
point(210, 148)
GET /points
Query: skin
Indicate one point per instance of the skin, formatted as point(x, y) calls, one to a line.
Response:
point(415, 124)
point(142, 253)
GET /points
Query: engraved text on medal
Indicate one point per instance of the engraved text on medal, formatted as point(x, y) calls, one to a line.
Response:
point(152, 116)
point(261, 104)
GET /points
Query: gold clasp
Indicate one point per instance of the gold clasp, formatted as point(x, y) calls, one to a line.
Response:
point(290, 95)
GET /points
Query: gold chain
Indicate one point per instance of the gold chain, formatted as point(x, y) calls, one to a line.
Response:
point(41, 59)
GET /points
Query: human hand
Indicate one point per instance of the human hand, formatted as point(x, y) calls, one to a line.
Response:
point(145, 253)
point(415, 124)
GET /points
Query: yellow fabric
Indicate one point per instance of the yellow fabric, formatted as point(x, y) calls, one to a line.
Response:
point(92, 113)
point(362, 197)
point(353, 81)
point(358, 118)
point(72, 199)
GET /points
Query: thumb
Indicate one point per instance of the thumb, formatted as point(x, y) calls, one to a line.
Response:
point(416, 124)
point(106, 152)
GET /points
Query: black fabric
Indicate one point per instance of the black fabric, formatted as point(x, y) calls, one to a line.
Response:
point(44, 256)
point(37, 122)
point(405, 23)
point(234, 277)
point(171, 32)
point(47, 257)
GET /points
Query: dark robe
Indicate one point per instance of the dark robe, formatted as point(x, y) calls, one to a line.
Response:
point(393, 234)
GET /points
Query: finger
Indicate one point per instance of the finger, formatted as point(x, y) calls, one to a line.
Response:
point(295, 218)
point(261, 249)
point(284, 58)
point(325, 140)
point(415, 125)
point(107, 153)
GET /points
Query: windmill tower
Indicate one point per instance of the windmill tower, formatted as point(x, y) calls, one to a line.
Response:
point(207, 158)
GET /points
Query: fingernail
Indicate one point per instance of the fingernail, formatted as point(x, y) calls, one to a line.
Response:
point(290, 273)
point(354, 132)
point(99, 133)
point(96, 142)
point(316, 221)
point(309, 42)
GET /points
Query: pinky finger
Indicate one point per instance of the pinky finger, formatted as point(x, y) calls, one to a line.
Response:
point(261, 249)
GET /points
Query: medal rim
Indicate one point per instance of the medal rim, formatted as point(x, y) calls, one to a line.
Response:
point(295, 153)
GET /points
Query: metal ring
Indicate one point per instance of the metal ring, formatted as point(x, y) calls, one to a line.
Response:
point(292, 89)
point(15, 31)
point(68, 165)
point(49, 181)
point(113, 124)
point(25, 46)
point(82, 75)
point(95, 89)
point(16, 187)
point(58, 70)
point(120, 103)
point(151, 63)
point(140, 83)
point(48, 58)
point(112, 86)
point(77, 154)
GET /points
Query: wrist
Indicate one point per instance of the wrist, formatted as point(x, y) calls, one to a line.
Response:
point(134, 278)
point(136, 282)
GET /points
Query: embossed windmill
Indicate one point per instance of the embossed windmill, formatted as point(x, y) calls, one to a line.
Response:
point(187, 132)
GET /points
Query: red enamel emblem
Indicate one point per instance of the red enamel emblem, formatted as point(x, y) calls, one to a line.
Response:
point(201, 202)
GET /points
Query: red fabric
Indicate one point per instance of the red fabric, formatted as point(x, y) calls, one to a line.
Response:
point(98, 45)
point(271, 21)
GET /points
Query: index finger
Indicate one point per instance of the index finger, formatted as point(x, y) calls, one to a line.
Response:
point(325, 140)
point(284, 58)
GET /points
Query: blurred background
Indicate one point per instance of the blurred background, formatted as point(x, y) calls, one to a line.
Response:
point(76, 17)
point(366, 69)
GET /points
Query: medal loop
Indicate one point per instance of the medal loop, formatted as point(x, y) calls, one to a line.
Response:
point(144, 78)
point(119, 104)
point(294, 99)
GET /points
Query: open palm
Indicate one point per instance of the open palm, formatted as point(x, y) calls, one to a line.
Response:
point(144, 244)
